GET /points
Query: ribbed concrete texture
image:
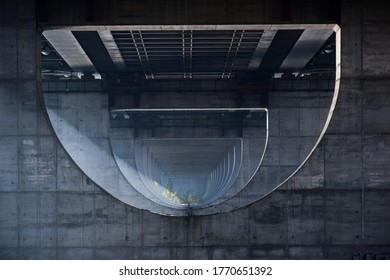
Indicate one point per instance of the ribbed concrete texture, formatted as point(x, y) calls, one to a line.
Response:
point(335, 207)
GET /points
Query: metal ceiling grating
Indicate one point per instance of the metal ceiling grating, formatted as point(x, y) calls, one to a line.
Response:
point(187, 53)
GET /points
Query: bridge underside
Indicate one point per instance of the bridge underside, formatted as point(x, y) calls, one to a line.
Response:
point(335, 207)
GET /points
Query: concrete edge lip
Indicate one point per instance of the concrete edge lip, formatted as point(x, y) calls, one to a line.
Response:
point(190, 27)
point(188, 110)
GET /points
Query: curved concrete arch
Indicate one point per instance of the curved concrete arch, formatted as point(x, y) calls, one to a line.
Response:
point(294, 133)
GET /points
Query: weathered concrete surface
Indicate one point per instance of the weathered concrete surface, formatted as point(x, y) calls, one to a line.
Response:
point(50, 210)
point(81, 12)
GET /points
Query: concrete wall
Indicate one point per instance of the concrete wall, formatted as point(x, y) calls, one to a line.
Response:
point(335, 207)
point(140, 12)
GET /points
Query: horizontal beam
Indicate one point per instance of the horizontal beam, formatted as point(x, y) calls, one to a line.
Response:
point(304, 49)
point(112, 49)
point(189, 110)
point(70, 50)
point(261, 49)
point(193, 27)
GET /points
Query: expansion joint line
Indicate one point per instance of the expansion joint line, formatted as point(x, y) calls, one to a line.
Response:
point(228, 54)
point(235, 53)
point(141, 51)
point(187, 54)
point(233, 47)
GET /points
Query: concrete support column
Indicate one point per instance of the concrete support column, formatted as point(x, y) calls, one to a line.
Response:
point(357, 145)
point(27, 152)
